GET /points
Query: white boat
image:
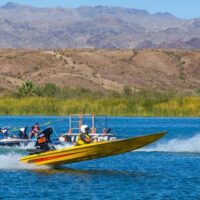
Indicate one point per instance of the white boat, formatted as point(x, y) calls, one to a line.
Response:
point(8, 139)
point(14, 141)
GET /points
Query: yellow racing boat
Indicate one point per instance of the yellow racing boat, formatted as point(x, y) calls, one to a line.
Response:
point(90, 151)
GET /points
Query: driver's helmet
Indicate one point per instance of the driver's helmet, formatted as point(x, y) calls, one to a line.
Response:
point(84, 129)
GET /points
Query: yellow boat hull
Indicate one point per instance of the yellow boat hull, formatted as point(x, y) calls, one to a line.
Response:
point(90, 151)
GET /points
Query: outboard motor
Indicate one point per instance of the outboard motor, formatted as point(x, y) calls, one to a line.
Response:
point(43, 142)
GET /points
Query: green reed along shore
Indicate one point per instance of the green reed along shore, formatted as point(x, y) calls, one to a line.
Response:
point(116, 106)
point(49, 99)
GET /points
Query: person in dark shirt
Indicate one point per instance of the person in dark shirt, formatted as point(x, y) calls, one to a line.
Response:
point(22, 133)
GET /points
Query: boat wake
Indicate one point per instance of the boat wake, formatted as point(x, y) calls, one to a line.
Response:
point(9, 158)
point(189, 145)
point(16, 149)
point(10, 161)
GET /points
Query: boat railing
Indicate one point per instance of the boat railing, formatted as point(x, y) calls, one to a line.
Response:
point(77, 120)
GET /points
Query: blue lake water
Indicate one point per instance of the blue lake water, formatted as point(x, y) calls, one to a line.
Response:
point(167, 169)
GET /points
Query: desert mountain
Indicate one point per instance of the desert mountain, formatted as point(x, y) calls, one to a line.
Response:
point(24, 26)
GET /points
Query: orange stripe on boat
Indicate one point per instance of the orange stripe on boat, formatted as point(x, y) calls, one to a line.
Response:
point(51, 157)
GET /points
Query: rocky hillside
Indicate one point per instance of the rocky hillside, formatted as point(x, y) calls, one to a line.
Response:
point(101, 70)
point(94, 27)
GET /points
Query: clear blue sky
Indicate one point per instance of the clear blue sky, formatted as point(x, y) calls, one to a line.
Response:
point(180, 8)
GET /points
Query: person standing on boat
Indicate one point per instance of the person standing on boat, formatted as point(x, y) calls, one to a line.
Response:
point(34, 131)
point(84, 137)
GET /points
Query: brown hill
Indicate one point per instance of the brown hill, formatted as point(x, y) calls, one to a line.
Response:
point(101, 69)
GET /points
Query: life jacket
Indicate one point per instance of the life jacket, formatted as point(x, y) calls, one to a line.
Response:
point(80, 141)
